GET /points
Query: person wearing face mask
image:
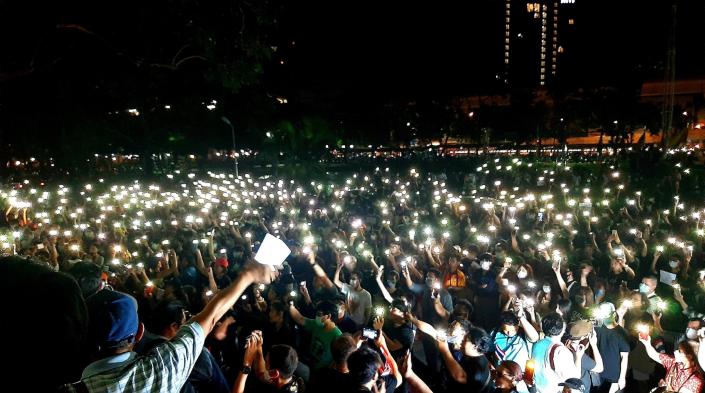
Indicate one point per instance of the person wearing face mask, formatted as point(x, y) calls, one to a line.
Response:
point(323, 331)
point(648, 288)
point(683, 372)
point(398, 331)
point(582, 333)
point(691, 330)
point(359, 300)
point(513, 340)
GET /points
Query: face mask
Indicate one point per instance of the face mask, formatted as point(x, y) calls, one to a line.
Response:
point(643, 288)
point(486, 265)
point(522, 274)
point(673, 264)
point(691, 334)
point(547, 289)
point(600, 293)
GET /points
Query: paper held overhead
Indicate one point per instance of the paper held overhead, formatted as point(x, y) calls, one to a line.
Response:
point(272, 251)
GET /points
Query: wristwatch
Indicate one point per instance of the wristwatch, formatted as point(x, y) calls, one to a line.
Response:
point(246, 369)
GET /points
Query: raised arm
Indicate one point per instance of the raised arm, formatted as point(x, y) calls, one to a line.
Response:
point(226, 298)
point(382, 289)
point(296, 315)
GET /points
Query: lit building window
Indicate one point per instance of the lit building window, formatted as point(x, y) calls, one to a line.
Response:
point(506, 47)
point(506, 61)
point(506, 20)
point(571, 21)
point(506, 40)
point(506, 27)
point(543, 56)
point(508, 13)
point(543, 63)
point(560, 49)
point(553, 66)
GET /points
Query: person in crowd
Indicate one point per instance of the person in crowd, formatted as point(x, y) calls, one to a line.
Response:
point(683, 372)
point(337, 373)
point(613, 344)
point(513, 340)
point(323, 331)
point(275, 373)
point(115, 329)
point(554, 361)
point(591, 363)
point(358, 300)
point(167, 318)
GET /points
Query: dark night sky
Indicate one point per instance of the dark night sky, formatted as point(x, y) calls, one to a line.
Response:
point(354, 56)
point(402, 48)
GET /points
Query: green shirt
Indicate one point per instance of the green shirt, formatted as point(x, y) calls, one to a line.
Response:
point(320, 342)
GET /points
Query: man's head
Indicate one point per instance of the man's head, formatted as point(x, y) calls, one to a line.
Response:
point(508, 375)
point(87, 274)
point(398, 309)
point(648, 285)
point(326, 310)
point(220, 266)
point(433, 277)
point(462, 310)
point(281, 362)
point(355, 281)
point(553, 325)
point(477, 342)
point(364, 366)
point(114, 325)
point(341, 348)
point(572, 385)
point(694, 324)
point(509, 323)
point(167, 318)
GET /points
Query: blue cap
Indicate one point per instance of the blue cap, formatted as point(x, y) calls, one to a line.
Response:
point(113, 318)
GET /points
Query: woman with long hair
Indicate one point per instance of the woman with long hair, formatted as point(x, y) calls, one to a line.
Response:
point(683, 373)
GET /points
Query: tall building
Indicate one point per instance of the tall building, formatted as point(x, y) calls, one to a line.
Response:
point(535, 35)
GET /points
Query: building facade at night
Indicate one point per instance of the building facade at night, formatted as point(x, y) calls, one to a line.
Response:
point(537, 36)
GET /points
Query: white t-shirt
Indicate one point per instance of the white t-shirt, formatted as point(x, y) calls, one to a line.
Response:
point(357, 302)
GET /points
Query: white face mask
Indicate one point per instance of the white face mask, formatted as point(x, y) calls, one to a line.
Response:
point(522, 274)
point(691, 334)
point(673, 264)
point(486, 265)
point(547, 289)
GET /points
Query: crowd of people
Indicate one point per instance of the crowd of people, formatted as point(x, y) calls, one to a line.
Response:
point(509, 276)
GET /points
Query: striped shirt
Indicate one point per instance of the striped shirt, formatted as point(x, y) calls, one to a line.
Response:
point(164, 369)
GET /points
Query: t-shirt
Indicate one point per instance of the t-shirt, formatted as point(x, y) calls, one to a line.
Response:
point(357, 302)
point(477, 370)
point(587, 363)
point(514, 348)
point(611, 343)
point(404, 334)
point(547, 378)
point(320, 342)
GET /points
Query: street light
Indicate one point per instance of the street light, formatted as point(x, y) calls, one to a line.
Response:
point(232, 130)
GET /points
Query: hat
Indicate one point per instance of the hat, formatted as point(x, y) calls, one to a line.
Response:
point(580, 329)
point(222, 262)
point(113, 318)
point(573, 383)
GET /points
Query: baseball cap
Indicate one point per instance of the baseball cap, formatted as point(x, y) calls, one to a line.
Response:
point(222, 262)
point(580, 329)
point(574, 383)
point(113, 319)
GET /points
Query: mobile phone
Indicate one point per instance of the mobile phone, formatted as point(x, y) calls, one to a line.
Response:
point(370, 333)
point(40, 246)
